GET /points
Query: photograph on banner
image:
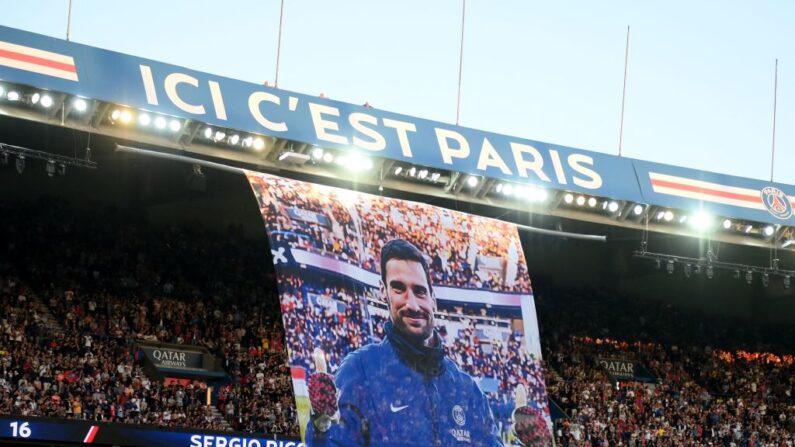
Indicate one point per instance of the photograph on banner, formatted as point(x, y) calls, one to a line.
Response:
point(406, 323)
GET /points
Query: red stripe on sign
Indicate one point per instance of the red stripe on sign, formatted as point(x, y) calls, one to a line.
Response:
point(707, 191)
point(92, 433)
point(37, 60)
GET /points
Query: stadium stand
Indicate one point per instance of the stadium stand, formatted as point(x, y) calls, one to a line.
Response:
point(709, 390)
point(79, 288)
point(451, 255)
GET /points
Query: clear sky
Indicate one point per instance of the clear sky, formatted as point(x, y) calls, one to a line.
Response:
point(700, 78)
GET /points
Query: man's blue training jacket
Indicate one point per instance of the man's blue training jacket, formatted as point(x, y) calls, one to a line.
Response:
point(383, 401)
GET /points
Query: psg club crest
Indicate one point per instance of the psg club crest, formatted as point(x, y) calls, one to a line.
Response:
point(776, 202)
point(458, 415)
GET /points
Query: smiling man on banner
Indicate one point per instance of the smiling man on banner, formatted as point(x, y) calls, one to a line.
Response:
point(402, 391)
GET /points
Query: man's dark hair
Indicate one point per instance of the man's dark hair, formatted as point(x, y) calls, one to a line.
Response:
point(404, 250)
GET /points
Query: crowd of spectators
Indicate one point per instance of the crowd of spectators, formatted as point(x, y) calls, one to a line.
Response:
point(462, 250)
point(106, 280)
point(707, 390)
point(77, 288)
point(333, 321)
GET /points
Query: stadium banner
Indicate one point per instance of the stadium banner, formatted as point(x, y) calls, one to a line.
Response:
point(405, 323)
point(163, 357)
point(716, 194)
point(623, 369)
point(617, 368)
point(93, 73)
point(25, 430)
point(54, 64)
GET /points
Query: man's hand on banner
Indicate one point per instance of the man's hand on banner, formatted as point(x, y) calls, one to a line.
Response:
point(529, 425)
point(322, 394)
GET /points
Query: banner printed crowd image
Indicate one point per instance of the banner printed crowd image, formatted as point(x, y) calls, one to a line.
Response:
point(327, 246)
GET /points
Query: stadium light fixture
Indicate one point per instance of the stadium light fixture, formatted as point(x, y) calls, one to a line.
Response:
point(580, 200)
point(668, 216)
point(435, 176)
point(660, 215)
point(507, 189)
point(62, 169)
point(50, 168)
point(248, 141)
point(412, 171)
point(472, 181)
point(683, 218)
point(688, 269)
point(46, 101)
point(115, 114)
point(364, 163)
point(727, 224)
point(293, 158)
point(398, 170)
point(219, 135)
point(144, 119)
point(34, 98)
point(328, 157)
point(498, 188)
point(160, 122)
point(637, 209)
point(769, 230)
point(126, 117)
point(208, 132)
point(20, 164)
point(592, 202)
point(749, 277)
point(422, 174)
point(765, 279)
point(568, 198)
point(80, 104)
point(670, 266)
point(317, 153)
point(701, 221)
point(174, 125)
point(748, 229)
point(234, 139)
point(539, 194)
point(13, 95)
point(710, 271)
point(787, 280)
point(612, 206)
point(259, 144)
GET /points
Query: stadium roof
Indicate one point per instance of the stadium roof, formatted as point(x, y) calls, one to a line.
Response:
point(184, 112)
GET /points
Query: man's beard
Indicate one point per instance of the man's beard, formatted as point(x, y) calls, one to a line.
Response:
point(415, 338)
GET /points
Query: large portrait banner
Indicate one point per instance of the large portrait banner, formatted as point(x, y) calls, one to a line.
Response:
point(406, 324)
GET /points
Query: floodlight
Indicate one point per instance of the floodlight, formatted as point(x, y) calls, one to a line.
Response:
point(80, 104)
point(46, 101)
point(259, 144)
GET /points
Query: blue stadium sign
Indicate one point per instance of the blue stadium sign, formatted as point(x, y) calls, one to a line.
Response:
point(76, 69)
